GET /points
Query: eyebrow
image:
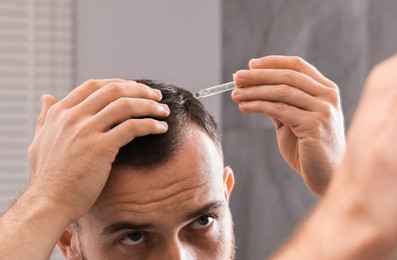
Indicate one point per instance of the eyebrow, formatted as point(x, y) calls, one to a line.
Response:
point(207, 208)
point(127, 225)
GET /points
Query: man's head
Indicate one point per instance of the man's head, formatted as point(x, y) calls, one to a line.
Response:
point(167, 195)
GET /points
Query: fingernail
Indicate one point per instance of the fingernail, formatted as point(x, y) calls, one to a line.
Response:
point(164, 125)
point(165, 107)
point(157, 92)
point(236, 92)
point(254, 61)
point(242, 73)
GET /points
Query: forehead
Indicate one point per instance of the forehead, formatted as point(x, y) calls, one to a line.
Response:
point(190, 179)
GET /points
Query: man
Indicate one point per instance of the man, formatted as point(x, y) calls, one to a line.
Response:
point(121, 170)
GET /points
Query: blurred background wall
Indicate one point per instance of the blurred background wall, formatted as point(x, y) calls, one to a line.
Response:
point(54, 45)
point(36, 57)
point(173, 41)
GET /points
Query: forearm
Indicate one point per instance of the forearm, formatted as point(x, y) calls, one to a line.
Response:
point(31, 228)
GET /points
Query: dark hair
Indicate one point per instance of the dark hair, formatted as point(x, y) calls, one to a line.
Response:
point(154, 150)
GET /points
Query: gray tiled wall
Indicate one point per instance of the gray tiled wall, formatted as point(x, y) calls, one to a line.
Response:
point(343, 39)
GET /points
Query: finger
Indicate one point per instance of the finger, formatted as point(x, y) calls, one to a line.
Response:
point(114, 91)
point(291, 63)
point(125, 132)
point(46, 102)
point(277, 124)
point(126, 108)
point(257, 77)
point(83, 91)
point(278, 93)
point(286, 114)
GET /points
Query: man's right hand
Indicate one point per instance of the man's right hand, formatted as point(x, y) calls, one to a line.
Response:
point(75, 144)
point(77, 139)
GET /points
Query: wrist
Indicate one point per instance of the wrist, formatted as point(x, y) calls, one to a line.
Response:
point(32, 207)
point(45, 204)
point(31, 216)
point(67, 207)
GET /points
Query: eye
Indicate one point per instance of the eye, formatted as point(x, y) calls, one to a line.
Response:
point(202, 222)
point(132, 239)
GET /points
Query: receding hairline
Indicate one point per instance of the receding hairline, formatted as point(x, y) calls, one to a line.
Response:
point(188, 130)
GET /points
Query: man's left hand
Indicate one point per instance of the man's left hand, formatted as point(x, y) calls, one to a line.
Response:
point(306, 111)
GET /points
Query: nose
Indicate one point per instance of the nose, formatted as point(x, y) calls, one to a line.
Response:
point(176, 250)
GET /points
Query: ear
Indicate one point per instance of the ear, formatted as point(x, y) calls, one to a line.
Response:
point(228, 181)
point(67, 243)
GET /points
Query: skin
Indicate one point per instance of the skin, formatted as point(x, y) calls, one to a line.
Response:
point(306, 111)
point(359, 211)
point(176, 211)
point(78, 137)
